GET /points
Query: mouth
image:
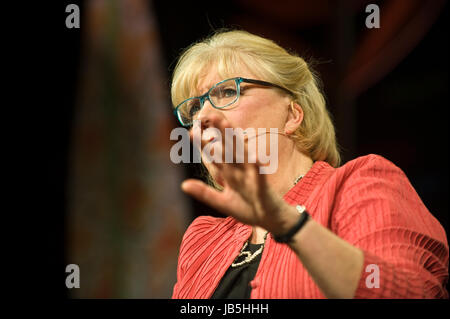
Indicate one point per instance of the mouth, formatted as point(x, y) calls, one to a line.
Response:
point(210, 136)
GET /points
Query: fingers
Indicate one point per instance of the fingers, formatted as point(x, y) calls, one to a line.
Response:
point(205, 194)
point(229, 204)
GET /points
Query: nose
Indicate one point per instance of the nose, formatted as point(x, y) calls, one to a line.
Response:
point(206, 113)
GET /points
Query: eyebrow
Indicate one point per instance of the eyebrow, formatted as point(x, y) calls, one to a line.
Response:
point(206, 90)
point(194, 92)
point(202, 92)
point(210, 85)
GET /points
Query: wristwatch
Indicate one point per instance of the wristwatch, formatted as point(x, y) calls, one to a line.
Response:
point(286, 238)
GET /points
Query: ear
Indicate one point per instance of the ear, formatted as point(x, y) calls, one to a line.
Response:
point(294, 119)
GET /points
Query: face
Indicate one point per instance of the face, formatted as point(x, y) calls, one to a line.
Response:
point(257, 107)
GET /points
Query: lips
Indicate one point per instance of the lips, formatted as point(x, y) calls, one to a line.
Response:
point(211, 135)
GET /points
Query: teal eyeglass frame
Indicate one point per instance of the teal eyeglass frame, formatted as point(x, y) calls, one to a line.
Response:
point(238, 81)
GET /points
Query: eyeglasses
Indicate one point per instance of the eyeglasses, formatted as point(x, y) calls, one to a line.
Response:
point(220, 95)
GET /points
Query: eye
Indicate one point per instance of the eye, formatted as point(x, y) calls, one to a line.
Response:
point(224, 92)
point(229, 92)
point(194, 107)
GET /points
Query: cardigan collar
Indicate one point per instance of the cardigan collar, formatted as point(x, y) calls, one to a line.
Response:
point(314, 177)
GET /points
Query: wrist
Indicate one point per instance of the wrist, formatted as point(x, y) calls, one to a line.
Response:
point(293, 220)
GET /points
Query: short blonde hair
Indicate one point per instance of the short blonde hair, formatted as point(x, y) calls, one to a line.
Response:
point(230, 50)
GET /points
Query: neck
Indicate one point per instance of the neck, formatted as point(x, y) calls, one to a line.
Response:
point(290, 167)
point(288, 170)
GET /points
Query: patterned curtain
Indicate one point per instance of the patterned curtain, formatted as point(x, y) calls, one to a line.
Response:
point(126, 211)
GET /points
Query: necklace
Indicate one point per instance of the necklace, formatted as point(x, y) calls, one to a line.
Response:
point(301, 176)
point(249, 256)
point(298, 179)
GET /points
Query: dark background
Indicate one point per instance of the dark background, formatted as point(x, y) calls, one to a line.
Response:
point(402, 117)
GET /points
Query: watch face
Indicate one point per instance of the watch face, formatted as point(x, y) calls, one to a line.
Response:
point(300, 208)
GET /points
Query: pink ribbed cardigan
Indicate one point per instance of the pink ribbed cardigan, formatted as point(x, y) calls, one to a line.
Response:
point(368, 202)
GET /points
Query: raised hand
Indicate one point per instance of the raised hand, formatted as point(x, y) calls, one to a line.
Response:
point(246, 194)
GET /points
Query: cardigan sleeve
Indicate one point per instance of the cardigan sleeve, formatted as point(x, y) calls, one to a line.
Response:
point(405, 247)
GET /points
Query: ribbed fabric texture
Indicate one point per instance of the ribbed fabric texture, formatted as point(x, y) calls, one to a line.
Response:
point(368, 202)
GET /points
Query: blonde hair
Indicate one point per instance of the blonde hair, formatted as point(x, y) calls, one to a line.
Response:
point(230, 50)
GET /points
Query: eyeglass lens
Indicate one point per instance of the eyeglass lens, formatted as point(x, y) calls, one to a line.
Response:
point(220, 95)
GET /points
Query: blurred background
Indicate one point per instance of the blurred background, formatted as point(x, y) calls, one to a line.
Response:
point(116, 208)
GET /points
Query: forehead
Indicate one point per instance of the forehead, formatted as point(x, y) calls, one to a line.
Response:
point(201, 71)
point(214, 74)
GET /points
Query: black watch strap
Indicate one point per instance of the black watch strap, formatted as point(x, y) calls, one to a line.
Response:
point(286, 238)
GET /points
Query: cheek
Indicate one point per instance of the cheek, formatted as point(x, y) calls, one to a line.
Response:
point(257, 114)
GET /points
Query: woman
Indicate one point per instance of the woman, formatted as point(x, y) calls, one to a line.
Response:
point(311, 229)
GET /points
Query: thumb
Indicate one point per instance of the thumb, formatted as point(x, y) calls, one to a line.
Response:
point(203, 192)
